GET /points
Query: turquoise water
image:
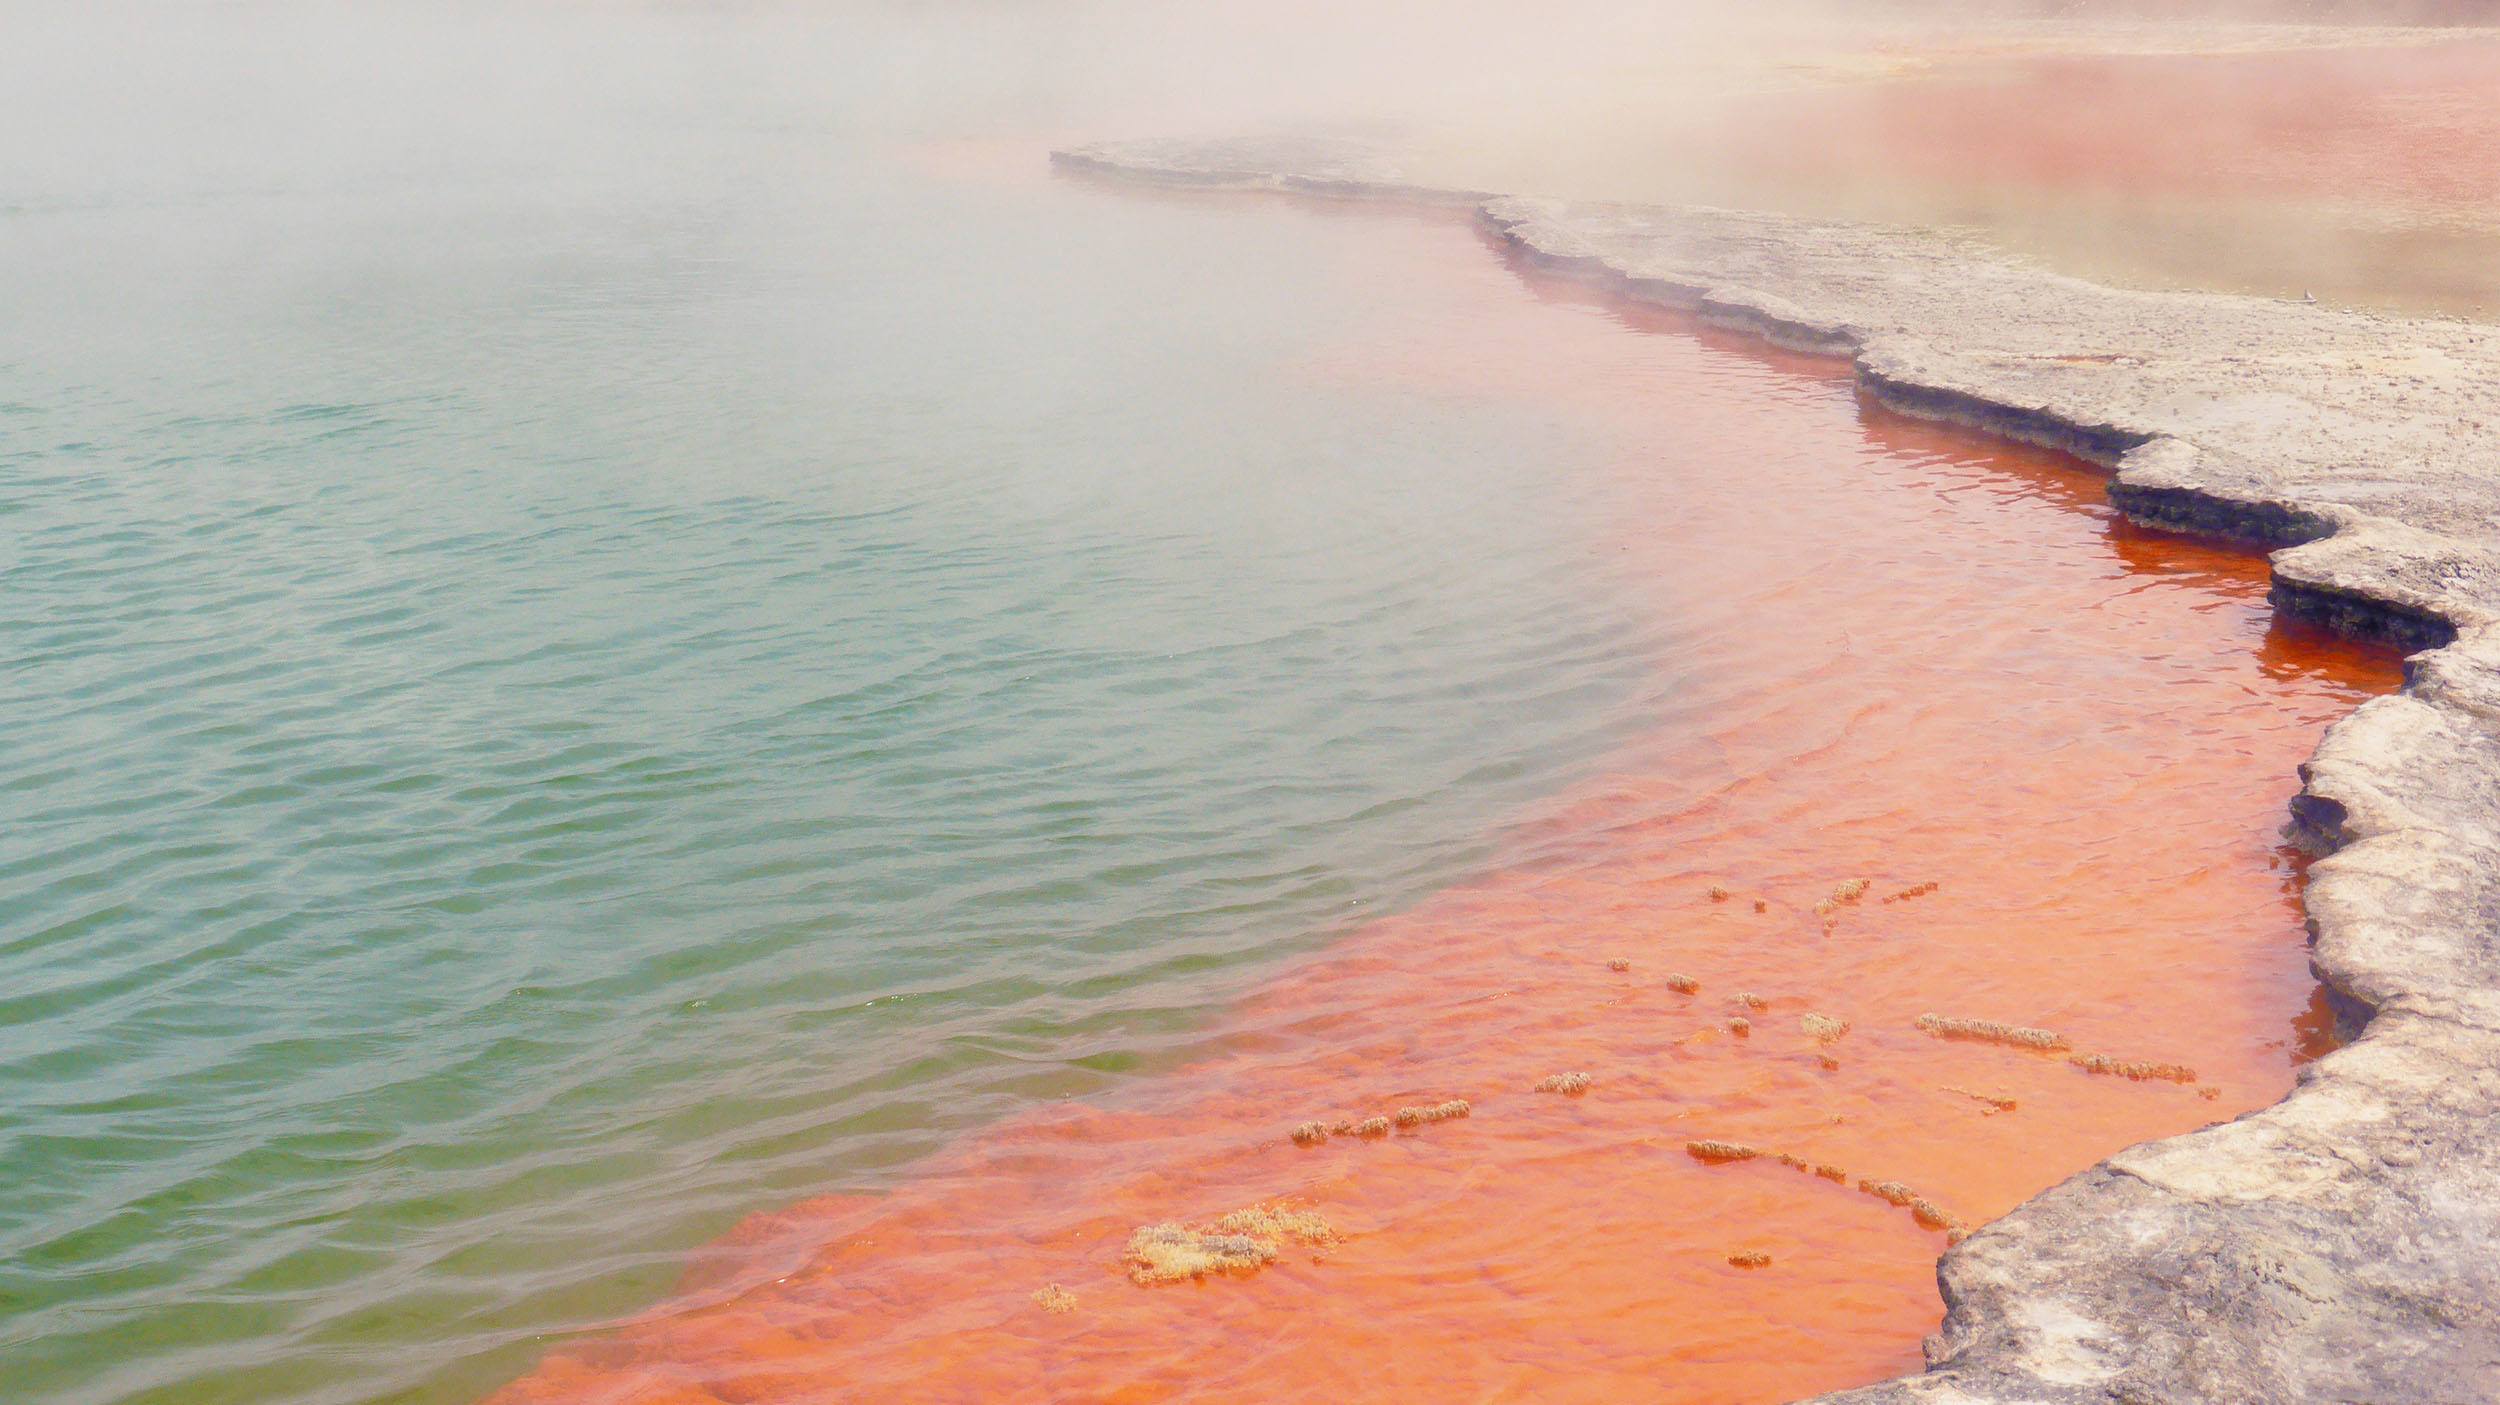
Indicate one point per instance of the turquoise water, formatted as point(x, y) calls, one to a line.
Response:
point(564, 689)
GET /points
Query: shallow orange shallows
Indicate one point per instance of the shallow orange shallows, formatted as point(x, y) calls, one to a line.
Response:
point(1887, 652)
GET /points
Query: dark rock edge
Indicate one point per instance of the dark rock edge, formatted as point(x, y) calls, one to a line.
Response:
point(2344, 1244)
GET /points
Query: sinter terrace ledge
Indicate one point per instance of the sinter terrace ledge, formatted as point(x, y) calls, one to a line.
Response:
point(2343, 1244)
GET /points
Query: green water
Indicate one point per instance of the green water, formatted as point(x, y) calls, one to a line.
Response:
point(583, 659)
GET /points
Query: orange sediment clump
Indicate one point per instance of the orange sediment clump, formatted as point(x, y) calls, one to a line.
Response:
point(1995, 1102)
point(1925, 1211)
point(1893, 670)
point(1749, 1258)
point(1991, 1032)
point(2133, 1069)
point(1682, 985)
point(1719, 1153)
point(1919, 891)
point(1922, 1209)
point(1052, 1298)
point(1824, 1169)
point(1243, 1241)
point(1432, 1112)
point(1314, 1133)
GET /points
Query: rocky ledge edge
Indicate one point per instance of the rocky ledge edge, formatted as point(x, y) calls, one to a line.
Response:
point(2343, 1244)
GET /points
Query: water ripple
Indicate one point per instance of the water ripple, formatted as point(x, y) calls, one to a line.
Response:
point(518, 764)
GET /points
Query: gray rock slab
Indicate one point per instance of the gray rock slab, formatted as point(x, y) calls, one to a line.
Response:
point(2344, 1244)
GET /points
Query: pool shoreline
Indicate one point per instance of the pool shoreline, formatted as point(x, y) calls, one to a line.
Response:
point(2321, 1247)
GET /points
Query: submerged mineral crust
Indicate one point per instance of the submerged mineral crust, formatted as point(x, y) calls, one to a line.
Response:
point(2339, 1245)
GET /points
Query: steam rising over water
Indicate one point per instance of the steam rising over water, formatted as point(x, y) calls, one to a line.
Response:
point(609, 624)
point(564, 693)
